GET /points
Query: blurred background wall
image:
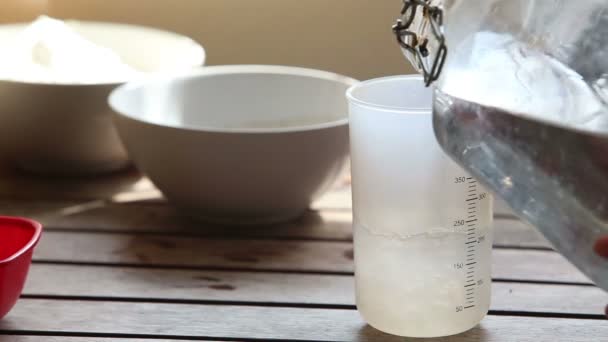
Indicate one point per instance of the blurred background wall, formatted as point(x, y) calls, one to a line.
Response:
point(351, 37)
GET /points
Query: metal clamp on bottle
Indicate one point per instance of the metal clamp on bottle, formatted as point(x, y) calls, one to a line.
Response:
point(415, 44)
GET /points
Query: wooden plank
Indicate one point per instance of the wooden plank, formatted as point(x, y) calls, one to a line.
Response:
point(120, 185)
point(162, 218)
point(546, 298)
point(516, 233)
point(185, 285)
point(501, 208)
point(310, 256)
point(189, 285)
point(129, 186)
point(534, 265)
point(337, 199)
point(167, 320)
point(124, 186)
point(195, 252)
point(17, 338)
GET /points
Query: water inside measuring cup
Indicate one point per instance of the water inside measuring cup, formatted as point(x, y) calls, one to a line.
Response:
point(417, 284)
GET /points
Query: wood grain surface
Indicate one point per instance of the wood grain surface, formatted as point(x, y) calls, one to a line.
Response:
point(118, 263)
point(127, 283)
point(276, 255)
point(159, 217)
point(266, 323)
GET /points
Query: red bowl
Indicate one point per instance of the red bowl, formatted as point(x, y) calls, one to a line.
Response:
point(18, 236)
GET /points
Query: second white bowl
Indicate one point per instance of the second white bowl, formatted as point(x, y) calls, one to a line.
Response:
point(245, 144)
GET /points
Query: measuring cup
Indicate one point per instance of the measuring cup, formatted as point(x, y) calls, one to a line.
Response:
point(18, 237)
point(422, 225)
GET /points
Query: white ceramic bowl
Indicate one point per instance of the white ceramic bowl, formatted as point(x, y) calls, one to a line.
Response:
point(238, 144)
point(67, 128)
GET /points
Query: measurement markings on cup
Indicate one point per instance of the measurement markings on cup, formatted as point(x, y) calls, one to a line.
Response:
point(471, 242)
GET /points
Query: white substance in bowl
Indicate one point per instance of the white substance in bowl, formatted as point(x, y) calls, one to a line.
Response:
point(50, 51)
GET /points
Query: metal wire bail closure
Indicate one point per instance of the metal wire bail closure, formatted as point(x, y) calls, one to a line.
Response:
point(418, 46)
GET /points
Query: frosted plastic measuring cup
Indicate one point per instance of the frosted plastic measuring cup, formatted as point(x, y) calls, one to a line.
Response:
point(422, 225)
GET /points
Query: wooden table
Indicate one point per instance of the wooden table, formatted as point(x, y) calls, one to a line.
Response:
point(117, 264)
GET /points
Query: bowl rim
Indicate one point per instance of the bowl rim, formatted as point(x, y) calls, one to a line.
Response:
point(199, 55)
point(230, 70)
point(36, 226)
